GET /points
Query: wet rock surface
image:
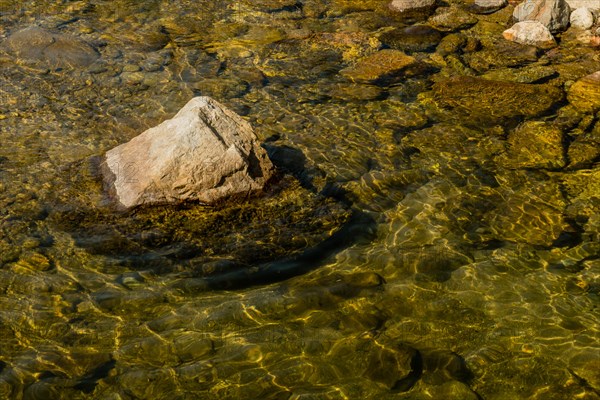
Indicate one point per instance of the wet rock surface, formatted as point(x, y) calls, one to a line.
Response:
point(412, 9)
point(385, 65)
point(412, 39)
point(52, 49)
point(485, 100)
point(535, 145)
point(585, 94)
point(487, 270)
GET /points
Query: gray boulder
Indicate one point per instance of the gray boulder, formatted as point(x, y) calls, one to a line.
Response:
point(205, 153)
point(553, 14)
point(52, 49)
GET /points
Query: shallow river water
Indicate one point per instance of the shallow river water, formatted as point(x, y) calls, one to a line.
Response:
point(473, 267)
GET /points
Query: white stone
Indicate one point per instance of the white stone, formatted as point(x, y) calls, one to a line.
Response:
point(582, 18)
point(553, 14)
point(491, 5)
point(531, 33)
point(409, 5)
point(205, 153)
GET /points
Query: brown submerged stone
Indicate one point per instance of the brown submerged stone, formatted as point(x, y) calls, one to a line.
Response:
point(53, 49)
point(493, 101)
point(536, 144)
point(384, 64)
point(585, 93)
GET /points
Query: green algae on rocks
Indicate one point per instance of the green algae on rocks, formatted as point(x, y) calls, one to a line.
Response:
point(486, 101)
point(189, 237)
point(383, 66)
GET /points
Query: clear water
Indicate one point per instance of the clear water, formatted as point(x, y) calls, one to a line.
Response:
point(490, 272)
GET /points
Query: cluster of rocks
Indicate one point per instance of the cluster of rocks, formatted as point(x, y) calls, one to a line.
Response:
point(539, 20)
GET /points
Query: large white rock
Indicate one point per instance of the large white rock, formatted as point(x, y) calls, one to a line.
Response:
point(532, 33)
point(582, 18)
point(205, 153)
point(553, 14)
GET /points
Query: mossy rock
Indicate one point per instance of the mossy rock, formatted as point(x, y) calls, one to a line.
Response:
point(492, 102)
point(585, 93)
point(383, 66)
point(500, 53)
point(282, 223)
point(272, 5)
point(535, 144)
point(288, 228)
point(583, 152)
point(412, 39)
point(530, 211)
point(528, 74)
point(451, 19)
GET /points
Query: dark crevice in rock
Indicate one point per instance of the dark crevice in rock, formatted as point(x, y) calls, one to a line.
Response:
point(406, 383)
point(88, 383)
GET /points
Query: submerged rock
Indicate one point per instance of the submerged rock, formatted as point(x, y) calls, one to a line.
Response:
point(395, 366)
point(412, 9)
point(583, 152)
point(204, 153)
point(499, 53)
point(412, 38)
point(383, 65)
point(487, 6)
point(528, 74)
point(221, 242)
point(486, 101)
point(530, 211)
point(553, 14)
point(585, 93)
point(536, 144)
point(271, 5)
point(53, 49)
point(531, 33)
point(450, 19)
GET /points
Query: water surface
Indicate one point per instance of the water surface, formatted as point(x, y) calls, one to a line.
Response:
point(478, 276)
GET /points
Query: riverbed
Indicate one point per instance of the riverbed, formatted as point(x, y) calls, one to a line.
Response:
point(475, 272)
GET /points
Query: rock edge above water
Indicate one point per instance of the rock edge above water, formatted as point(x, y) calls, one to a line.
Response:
point(205, 153)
